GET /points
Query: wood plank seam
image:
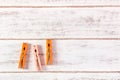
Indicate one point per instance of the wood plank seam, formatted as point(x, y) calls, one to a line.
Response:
point(88, 6)
point(60, 72)
point(60, 38)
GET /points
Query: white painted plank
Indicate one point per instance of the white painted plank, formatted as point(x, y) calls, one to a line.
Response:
point(38, 23)
point(69, 55)
point(60, 76)
point(57, 2)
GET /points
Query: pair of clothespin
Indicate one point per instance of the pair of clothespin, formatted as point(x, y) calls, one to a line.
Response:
point(23, 56)
point(49, 55)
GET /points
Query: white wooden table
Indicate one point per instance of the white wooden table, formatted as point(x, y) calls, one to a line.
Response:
point(85, 33)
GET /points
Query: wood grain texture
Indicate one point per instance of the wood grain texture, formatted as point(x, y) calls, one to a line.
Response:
point(39, 23)
point(59, 76)
point(57, 2)
point(68, 55)
point(84, 59)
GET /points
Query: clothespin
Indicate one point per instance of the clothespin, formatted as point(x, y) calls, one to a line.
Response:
point(49, 52)
point(22, 60)
point(37, 57)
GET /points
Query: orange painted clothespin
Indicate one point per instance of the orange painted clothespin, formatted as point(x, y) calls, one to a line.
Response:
point(22, 60)
point(49, 52)
point(37, 57)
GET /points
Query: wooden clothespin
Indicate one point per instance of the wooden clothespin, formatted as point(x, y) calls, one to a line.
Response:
point(23, 54)
point(49, 52)
point(37, 57)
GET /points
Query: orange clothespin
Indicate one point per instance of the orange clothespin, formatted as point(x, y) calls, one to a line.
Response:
point(48, 52)
point(37, 57)
point(22, 60)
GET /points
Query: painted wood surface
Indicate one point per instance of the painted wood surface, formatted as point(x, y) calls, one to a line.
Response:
point(39, 23)
point(60, 76)
point(58, 2)
point(68, 55)
point(85, 29)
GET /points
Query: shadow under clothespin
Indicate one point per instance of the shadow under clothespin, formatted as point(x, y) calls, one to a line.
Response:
point(54, 52)
point(41, 55)
point(28, 56)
